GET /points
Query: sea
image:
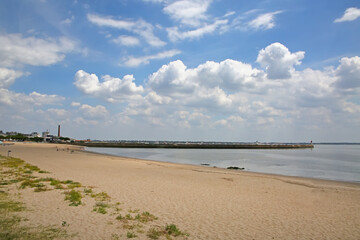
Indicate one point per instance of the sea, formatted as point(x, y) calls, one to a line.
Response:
point(332, 162)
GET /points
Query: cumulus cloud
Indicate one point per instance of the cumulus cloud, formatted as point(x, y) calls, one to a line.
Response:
point(348, 73)
point(232, 93)
point(350, 14)
point(139, 27)
point(172, 79)
point(264, 21)
point(131, 61)
point(176, 79)
point(98, 111)
point(8, 77)
point(279, 61)
point(110, 88)
point(17, 50)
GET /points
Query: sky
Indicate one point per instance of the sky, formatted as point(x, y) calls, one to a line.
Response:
point(199, 70)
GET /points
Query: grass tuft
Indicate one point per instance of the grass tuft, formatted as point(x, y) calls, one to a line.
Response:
point(74, 197)
point(102, 196)
point(145, 217)
point(131, 235)
point(100, 207)
point(170, 230)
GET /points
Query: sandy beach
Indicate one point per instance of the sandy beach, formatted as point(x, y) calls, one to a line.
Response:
point(205, 202)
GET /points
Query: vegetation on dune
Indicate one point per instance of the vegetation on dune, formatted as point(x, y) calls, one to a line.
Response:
point(17, 172)
point(168, 231)
point(74, 197)
point(11, 227)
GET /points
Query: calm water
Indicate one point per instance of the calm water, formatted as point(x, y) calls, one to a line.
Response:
point(335, 162)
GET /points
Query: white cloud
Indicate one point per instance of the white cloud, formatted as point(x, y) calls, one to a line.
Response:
point(188, 12)
point(17, 50)
point(44, 99)
point(75, 104)
point(173, 79)
point(8, 77)
point(126, 40)
point(139, 27)
point(348, 73)
point(264, 21)
point(68, 20)
point(174, 33)
point(98, 111)
point(350, 14)
point(154, 1)
point(230, 94)
point(279, 61)
point(19, 99)
point(110, 88)
point(228, 14)
point(62, 113)
point(136, 61)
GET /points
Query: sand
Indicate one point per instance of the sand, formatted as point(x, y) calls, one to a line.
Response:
point(206, 202)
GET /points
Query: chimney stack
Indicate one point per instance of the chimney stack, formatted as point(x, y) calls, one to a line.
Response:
point(59, 131)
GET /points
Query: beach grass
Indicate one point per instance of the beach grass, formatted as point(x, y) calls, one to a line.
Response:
point(15, 171)
point(74, 197)
point(11, 227)
point(100, 207)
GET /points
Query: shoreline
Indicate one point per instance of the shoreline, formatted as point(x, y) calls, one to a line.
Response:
point(208, 203)
point(285, 178)
point(225, 168)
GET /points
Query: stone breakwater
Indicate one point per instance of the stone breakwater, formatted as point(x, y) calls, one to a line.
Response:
point(196, 145)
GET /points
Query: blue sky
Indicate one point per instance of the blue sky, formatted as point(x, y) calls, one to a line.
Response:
point(212, 70)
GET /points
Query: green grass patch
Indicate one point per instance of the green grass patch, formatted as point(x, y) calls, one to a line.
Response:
point(71, 184)
point(74, 197)
point(131, 235)
point(56, 183)
point(133, 226)
point(170, 230)
point(134, 211)
point(7, 205)
point(10, 227)
point(173, 230)
point(31, 167)
point(100, 207)
point(154, 233)
point(11, 162)
point(29, 183)
point(102, 196)
point(145, 217)
point(88, 191)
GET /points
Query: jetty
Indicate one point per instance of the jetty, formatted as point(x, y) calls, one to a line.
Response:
point(192, 145)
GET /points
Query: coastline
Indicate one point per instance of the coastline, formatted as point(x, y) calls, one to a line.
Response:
point(210, 164)
point(209, 203)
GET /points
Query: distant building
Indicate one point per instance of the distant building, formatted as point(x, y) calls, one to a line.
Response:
point(45, 134)
point(35, 134)
point(11, 133)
